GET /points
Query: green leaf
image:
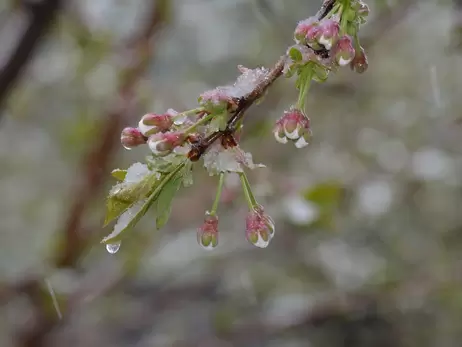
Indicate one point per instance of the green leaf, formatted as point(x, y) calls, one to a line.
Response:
point(115, 208)
point(164, 202)
point(119, 174)
point(320, 73)
point(328, 197)
point(140, 210)
point(124, 195)
point(219, 122)
point(295, 54)
point(325, 194)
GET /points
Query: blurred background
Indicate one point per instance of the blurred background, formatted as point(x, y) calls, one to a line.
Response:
point(368, 217)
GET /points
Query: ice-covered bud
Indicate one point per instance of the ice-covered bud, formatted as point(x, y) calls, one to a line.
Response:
point(259, 228)
point(293, 125)
point(359, 62)
point(306, 31)
point(162, 144)
point(132, 137)
point(207, 234)
point(328, 32)
point(344, 51)
point(218, 100)
point(153, 123)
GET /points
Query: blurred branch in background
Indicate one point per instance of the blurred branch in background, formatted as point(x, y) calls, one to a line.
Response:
point(42, 14)
point(457, 28)
point(94, 165)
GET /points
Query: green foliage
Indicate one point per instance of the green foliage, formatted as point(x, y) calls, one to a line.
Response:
point(295, 54)
point(124, 195)
point(164, 202)
point(119, 174)
point(327, 196)
point(135, 194)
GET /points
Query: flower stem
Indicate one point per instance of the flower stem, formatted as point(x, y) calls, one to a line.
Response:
point(251, 201)
point(305, 82)
point(221, 182)
point(201, 121)
point(189, 112)
point(345, 6)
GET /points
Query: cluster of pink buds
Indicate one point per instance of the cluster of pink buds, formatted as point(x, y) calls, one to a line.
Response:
point(207, 234)
point(294, 125)
point(331, 38)
point(317, 34)
point(158, 131)
point(259, 227)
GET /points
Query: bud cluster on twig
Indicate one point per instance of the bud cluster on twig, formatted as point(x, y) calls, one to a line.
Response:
point(210, 132)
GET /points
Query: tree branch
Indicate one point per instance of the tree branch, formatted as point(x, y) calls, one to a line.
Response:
point(96, 163)
point(43, 14)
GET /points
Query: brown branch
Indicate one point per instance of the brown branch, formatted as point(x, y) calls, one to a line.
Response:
point(96, 163)
point(42, 14)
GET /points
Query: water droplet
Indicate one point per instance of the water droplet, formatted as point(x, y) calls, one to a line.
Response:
point(113, 247)
point(127, 148)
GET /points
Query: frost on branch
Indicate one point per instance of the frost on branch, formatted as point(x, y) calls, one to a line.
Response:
point(226, 98)
point(177, 140)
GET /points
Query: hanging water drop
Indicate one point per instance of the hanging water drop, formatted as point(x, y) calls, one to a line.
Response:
point(126, 147)
point(113, 247)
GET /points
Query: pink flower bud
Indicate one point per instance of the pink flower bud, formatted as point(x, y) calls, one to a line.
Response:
point(259, 228)
point(344, 51)
point(132, 137)
point(293, 125)
point(152, 123)
point(359, 62)
point(307, 31)
point(207, 234)
point(328, 33)
point(162, 144)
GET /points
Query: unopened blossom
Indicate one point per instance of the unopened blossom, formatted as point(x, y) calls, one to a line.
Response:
point(207, 234)
point(328, 32)
point(359, 62)
point(162, 144)
point(307, 31)
point(132, 137)
point(294, 125)
point(153, 123)
point(344, 51)
point(259, 228)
